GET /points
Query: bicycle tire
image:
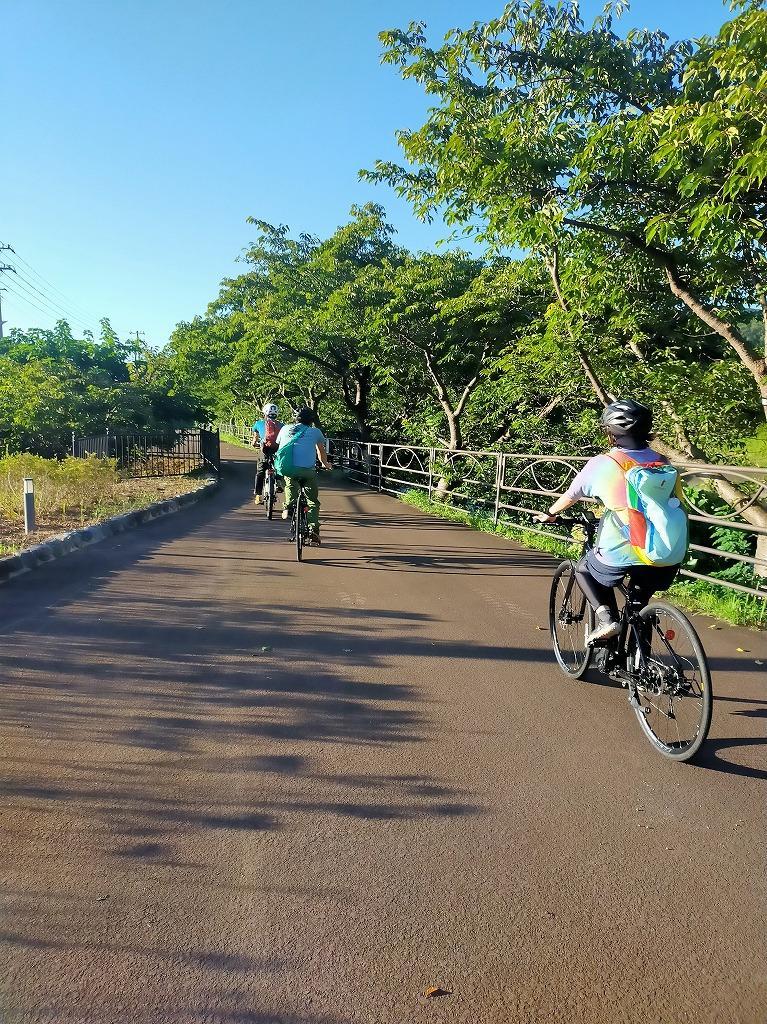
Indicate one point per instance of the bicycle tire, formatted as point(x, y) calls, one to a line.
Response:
point(300, 529)
point(270, 496)
point(651, 714)
point(570, 650)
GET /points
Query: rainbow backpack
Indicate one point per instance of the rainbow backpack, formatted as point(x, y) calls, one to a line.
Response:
point(657, 528)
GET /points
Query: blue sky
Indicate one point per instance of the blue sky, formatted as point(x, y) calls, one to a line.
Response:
point(137, 135)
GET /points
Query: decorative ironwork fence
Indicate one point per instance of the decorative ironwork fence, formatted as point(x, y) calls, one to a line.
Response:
point(173, 453)
point(511, 486)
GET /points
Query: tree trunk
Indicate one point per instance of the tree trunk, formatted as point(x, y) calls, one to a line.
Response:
point(454, 426)
point(552, 265)
point(356, 395)
point(757, 367)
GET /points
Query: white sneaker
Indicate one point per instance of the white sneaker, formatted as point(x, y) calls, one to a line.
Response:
point(606, 627)
point(285, 513)
point(258, 500)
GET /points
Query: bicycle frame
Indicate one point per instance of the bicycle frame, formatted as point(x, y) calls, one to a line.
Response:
point(660, 676)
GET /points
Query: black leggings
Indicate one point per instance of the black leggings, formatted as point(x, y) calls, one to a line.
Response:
point(647, 578)
point(268, 451)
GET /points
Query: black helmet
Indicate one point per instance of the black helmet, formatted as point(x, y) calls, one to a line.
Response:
point(305, 416)
point(627, 417)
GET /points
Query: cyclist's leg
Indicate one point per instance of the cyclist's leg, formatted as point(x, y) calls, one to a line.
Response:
point(264, 452)
point(597, 594)
point(309, 477)
point(291, 490)
point(598, 586)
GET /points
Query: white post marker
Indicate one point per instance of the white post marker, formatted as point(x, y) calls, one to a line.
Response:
point(29, 505)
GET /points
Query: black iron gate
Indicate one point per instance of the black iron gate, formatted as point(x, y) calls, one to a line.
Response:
point(171, 453)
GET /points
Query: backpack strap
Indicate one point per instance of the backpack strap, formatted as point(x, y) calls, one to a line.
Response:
point(626, 462)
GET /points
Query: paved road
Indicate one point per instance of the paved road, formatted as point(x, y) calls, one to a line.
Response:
point(237, 789)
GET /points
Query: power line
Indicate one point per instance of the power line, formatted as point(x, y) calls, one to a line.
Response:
point(75, 306)
point(54, 311)
point(71, 311)
point(23, 298)
point(67, 311)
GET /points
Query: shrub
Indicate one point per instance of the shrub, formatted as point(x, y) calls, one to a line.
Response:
point(59, 486)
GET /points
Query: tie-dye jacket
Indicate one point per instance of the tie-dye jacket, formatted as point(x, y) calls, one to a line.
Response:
point(602, 478)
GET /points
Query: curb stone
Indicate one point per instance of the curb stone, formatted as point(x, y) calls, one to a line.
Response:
point(74, 540)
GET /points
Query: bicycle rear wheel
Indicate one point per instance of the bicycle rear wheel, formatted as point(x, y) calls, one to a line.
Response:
point(674, 691)
point(570, 619)
point(301, 529)
point(270, 495)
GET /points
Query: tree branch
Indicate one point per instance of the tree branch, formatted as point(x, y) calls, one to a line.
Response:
point(552, 265)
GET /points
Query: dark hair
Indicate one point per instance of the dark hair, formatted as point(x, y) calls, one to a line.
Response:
point(305, 416)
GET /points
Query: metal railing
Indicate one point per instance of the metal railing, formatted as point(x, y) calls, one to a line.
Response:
point(173, 453)
point(239, 429)
point(511, 486)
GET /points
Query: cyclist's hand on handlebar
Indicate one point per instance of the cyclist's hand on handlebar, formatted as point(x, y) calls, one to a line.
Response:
point(544, 517)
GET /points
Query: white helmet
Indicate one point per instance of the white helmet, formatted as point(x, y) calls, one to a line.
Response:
point(270, 409)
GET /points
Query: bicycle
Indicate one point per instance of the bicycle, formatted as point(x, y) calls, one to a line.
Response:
point(270, 487)
point(299, 526)
point(657, 655)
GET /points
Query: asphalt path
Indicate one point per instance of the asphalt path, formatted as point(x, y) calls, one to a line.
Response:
point(240, 789)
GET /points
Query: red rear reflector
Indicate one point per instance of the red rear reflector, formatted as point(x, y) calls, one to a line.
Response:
point(670, 634)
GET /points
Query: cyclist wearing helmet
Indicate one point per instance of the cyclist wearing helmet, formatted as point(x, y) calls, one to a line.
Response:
point(628, 425)
point(309, 445)
point(265, 433)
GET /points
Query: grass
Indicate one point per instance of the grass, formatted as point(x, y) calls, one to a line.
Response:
point(231, 439)
point(728, 605)
point(74, 493)
point(693, 595)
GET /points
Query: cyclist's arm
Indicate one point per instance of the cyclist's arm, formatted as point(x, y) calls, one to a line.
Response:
point(323, 456)
point(559, 506)
point(580, 488)
point(256, 438)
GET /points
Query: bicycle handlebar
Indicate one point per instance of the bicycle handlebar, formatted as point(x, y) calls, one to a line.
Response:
point(581, 519)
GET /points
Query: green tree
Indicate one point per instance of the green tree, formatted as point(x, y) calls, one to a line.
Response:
point(450, 316)
point(545, 129)
point(312, 301)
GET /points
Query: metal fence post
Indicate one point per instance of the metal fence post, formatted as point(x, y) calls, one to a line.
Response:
point(368, 458)
point(500, 474)
point(432, 457)
point(380, 470)
point(29, 504)
point(74, 453)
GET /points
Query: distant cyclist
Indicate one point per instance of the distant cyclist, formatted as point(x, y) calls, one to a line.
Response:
point(644, 530)
point(307, 444)
point(265, 433)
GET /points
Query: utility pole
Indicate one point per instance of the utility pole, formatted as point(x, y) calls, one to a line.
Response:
point(137, 346)
point(4, 267)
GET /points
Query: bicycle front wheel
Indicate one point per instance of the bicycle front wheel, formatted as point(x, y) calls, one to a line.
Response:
point(674, 689)
point(570, 619)
point(270, 495)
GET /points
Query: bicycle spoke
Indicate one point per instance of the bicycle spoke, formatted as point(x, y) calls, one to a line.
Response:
point(673, 687)
point(569, 620)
